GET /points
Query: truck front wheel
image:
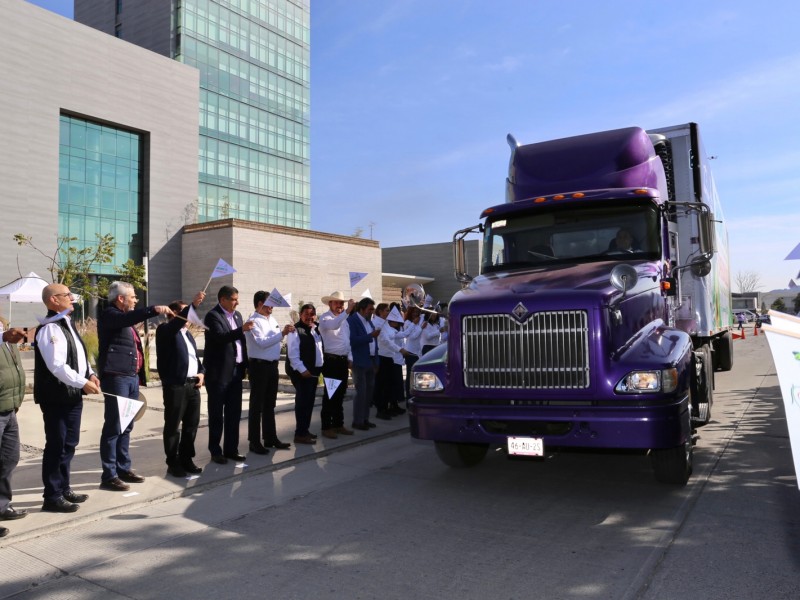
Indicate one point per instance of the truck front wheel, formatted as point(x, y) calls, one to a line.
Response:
point(673, 465)
point(461, 455)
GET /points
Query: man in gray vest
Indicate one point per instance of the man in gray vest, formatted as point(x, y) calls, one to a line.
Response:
point(61, 376)
point(12, 390)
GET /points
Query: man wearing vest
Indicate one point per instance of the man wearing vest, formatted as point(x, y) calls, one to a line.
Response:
point(12, 390)
point(121, 365)
point(61, 376)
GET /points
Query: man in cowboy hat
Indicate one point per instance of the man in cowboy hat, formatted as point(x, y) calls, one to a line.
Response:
point(337, 359)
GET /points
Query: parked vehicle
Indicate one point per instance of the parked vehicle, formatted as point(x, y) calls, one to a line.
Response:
point(601, 308)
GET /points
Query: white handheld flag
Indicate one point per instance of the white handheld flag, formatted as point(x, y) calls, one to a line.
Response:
point(355, 277)
point(276, 300)
point(127, 407)
point(331, 385)
point(395, 315)
point(222, 269)
point(194, 318)
point(366, 294)
point(785, 347)
point(54, 318)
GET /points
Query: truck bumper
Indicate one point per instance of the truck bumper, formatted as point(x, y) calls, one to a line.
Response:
point(658, 426)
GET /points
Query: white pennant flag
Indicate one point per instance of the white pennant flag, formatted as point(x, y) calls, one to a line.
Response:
point(366, 294)
point(127, 408)
point(331, 385)
point(275, 299)
point(194, 318)
point(355, 277)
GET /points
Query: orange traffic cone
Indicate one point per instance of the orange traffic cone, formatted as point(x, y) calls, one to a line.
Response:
point(755, 329)
point(735, 335)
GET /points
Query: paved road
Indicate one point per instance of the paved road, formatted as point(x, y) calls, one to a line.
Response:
point(384, 519)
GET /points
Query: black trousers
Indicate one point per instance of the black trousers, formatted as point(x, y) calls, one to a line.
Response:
point(62, 432)
point(181, 420)
point(224, 413)
point(332, 413)
point(263, 395)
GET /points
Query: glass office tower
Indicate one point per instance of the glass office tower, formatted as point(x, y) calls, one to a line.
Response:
point(99, 188)
point(254, 63)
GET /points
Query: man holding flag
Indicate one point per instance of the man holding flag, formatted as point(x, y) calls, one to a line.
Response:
point(61, 376)
point(120, 362)
point(264, 353)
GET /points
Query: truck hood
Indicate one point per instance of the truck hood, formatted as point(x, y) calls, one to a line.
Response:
point(590, 280)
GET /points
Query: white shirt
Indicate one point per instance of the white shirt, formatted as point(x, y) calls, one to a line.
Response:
point(53, 347)
point(377, 323)
point(335, 332)
point(389, 340)
point(443, 334)
point(430, 334)
point(192, 370)
point(264, 339)
point(413, 341)
point(293, 351)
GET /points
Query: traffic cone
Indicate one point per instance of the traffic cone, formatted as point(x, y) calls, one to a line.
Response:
point(743, 336)
point(735, 335)
point(755, 329)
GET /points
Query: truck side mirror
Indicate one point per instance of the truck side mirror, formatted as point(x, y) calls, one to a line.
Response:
point(707, 237)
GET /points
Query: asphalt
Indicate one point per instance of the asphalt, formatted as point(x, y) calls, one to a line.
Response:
point(147, 452)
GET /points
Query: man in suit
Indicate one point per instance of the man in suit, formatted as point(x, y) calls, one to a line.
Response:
point(225, 361)
point(120, 361)
point(363, 345)
point(61, 376)
point(182, 375)
point(12, 391)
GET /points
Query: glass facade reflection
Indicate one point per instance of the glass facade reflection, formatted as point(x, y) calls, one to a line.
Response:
point(254, 63)
point(99, 188)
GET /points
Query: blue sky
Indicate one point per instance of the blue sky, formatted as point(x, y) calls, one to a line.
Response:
point(412, 101)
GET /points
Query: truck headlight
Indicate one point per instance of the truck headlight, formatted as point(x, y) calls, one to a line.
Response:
point(427, 382)
point(643, 382)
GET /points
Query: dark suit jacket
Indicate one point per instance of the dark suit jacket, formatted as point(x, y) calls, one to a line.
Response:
point(360, 342)
point(117, 350)
point(171, 353)
point(219, 355)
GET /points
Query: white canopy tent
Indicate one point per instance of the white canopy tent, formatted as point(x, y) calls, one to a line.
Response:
point(26, 290)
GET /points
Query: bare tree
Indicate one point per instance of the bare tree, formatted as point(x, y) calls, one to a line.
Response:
point(748, 281)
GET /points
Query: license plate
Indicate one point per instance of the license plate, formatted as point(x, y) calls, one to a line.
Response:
point(526, 446)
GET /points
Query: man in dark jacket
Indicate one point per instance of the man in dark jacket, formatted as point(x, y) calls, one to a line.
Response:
point(182, 375)
point(12, 390)
point(61, 376)
point(121, 365)
point(363, 344)
point(225, 361)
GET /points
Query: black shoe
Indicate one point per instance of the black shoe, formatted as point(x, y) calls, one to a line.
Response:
point(360, 426)
point(219, 459)
point(130, 476)
point(370, 424)
point(61, 506)
point(396, 411)
point(9, 513)
point(384, 415)
point(192, 468)
point(114, 485)
point(3, 532)
point(235, 456)
point(278, 445)
point(258, 448)
point(176, 471)
point(71, 496)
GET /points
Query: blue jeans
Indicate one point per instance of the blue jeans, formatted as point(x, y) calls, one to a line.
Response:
point(114, 444)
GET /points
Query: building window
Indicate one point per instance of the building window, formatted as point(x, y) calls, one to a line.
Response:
point(99, 191)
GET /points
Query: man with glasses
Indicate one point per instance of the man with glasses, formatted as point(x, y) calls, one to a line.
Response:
point(121, 365)
point(62, 375)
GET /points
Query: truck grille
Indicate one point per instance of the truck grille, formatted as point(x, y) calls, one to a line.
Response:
point(550, 350)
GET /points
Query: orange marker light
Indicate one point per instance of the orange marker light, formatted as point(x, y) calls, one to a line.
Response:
point(559, 197)
point(539, 200)
point(578, 195)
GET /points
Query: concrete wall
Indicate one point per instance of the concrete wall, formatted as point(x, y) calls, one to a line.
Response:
point(52, 65)
point(431, 260)
point(307, 264)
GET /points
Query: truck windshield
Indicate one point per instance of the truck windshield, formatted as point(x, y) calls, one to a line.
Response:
point(561, 234)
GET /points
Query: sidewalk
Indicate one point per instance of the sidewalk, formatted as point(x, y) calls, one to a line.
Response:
point(147, 451)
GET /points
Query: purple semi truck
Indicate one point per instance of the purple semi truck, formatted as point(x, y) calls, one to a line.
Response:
point(601, 310)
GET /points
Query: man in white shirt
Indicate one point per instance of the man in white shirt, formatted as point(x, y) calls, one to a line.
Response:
point(335, 332)
point(264, 353)
point(62, 375)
